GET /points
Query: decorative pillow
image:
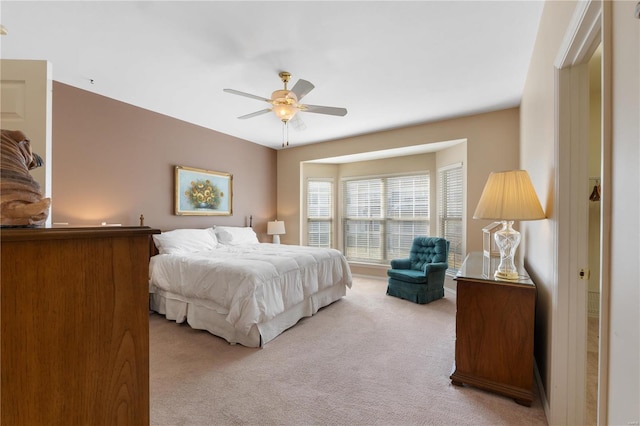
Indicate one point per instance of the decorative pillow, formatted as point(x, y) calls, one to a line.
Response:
point(236, 235)
point(181, 241)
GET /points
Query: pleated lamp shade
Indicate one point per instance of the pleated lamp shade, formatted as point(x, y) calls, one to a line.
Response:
point(275, 228)
point(509, 196)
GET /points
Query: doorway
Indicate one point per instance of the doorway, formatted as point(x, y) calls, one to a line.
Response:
point(588, 31)
point(594, 232)
point(26, 92)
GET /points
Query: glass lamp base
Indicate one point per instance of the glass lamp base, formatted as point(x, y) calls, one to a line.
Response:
point(511, 276)
point(507, 240)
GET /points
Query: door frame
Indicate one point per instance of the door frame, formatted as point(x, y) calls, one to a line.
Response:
point(28, 103)
point(588, 28)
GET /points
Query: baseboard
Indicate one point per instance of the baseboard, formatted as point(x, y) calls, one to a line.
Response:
point(369, 269)
point(541, 392)
point(448, 290)
point(374, 277)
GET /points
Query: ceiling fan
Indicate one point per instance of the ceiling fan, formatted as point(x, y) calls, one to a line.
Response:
point(286, 103)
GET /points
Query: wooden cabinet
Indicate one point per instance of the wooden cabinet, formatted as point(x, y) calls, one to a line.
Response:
point(75, 326)
point(494, 332)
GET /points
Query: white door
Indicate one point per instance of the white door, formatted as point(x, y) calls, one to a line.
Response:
point(26, 94)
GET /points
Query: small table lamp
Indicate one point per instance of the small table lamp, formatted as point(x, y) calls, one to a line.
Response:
point(508, 196)
point(276, 229)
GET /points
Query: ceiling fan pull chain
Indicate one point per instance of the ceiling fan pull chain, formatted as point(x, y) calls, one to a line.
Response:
point(285, 133)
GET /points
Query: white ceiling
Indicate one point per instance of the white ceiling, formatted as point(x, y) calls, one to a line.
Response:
point(391, 64)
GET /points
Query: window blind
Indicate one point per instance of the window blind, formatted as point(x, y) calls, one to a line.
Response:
point(382, 215)
point(363, 219)
point(450, 212)
point(319, 213)
point(407, 213)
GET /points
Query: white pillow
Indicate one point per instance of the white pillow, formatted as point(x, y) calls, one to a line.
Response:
point(236, 235)
point(182, 241)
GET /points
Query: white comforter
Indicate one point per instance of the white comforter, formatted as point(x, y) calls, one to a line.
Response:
point(250, 284)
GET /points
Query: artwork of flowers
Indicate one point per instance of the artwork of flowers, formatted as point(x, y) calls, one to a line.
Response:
point(202, 192)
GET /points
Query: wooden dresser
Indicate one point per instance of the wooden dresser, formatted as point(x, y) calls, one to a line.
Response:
point(75, 326)
point(494, 332)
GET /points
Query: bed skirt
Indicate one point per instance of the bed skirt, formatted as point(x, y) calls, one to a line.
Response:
point(201, 317)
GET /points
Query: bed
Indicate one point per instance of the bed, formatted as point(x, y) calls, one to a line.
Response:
point(225, 281)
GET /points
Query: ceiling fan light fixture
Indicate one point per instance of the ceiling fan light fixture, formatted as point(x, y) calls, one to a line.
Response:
point(285, 111)
point(284, 96)
point(285, 104)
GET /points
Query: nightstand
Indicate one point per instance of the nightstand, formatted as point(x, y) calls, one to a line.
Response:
point(494, 332)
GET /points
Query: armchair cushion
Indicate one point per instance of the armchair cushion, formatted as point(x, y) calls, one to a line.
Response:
point(408, 275)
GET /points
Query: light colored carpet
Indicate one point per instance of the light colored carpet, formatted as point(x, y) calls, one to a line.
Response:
point(368, 359)
point(593, 341)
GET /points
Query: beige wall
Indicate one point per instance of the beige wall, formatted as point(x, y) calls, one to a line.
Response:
point(113, 161)
point(492, 143)
point(537, 155)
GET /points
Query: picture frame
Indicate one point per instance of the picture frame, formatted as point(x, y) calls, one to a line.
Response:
point(490, 250)
point(489, 245)
point(200, 192)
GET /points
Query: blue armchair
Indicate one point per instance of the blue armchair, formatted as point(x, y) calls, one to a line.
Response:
point(420, 278)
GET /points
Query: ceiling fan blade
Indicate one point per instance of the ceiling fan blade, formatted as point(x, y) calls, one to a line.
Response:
point(319, 109)
point(301, 88)
point(297, 123)
point(248, 95)
point(255, 114)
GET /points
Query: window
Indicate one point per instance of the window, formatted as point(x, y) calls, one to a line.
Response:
point(319, 213)
point(450, 213)
point(363, 220)
point(383, 215)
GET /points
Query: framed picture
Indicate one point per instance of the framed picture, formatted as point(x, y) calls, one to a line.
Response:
point(203, 192)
